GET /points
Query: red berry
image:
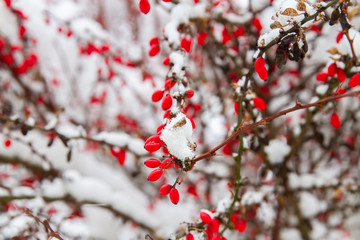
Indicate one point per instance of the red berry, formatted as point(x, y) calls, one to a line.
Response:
point(152, 147)
point(189, 236)
point(239, 32)
point(144, 6)
point(241, 225)
point(257, 24)
point(166, 103)
point(169, 83)
point(166, 61)
point(205, 217)
point(157, 95)
point(174, 196)
point(354, 80)
point(155, 175)
point(166, 0)
point(335, 121)
point(165, 189)
point(192, 122)
point(154, 41)
point(201, 38)
point(189, 93)
point(159, 129)
point(259, 103)
point(154, 139)
point(121, 156)
point(167, 114)
point(8, 3)
point(322, 77)
point(166, 164)
point(259, 65)
point(186, 44)
point(339, 37)
point(7, 143)
point(152, 163)
point(332, 69)
point(236, 107)
point(341, 75)
point(263, 75)
point(22, 31)
point(154, 50)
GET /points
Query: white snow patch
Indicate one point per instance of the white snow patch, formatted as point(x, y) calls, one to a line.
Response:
point(277, 150)
point(177, 136)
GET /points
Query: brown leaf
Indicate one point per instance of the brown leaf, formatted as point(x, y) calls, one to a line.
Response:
point(301, 6)
point(276, 24)
point(290, 12)
point(333, 51)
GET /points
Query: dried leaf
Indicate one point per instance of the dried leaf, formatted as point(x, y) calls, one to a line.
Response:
point(276, 24)
point(234, 85)
point(333, 51)
point(301, 6)
point(180, 123)
point(290, 12)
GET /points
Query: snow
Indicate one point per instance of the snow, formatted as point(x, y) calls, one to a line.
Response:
point(310, 205)
point(177, 136)
point(277, 150)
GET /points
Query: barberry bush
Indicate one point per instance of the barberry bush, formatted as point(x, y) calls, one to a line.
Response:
point(180, 119)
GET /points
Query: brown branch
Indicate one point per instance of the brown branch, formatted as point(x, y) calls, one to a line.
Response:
point(45, 223)
point(242, 129)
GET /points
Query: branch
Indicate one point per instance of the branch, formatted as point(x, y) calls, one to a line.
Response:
point(295, 27)
point(264, 121)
